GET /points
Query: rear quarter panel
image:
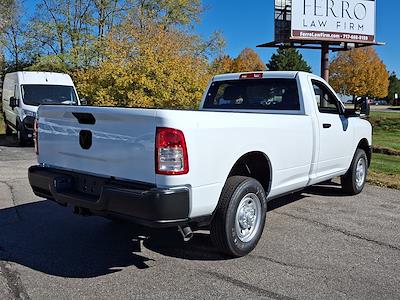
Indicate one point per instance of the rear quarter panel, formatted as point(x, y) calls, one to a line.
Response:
point(216, 140)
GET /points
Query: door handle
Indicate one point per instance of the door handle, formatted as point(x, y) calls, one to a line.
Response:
point(326, 125)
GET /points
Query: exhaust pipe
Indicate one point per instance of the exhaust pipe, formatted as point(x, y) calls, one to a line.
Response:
point(81, 211)
point(186, 232)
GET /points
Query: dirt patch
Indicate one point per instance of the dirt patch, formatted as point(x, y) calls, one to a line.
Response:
point(384, 150)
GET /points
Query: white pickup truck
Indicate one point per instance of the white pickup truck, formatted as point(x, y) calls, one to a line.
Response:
point(256, 137)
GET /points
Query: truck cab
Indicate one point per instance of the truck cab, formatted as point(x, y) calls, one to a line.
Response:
point(24, 92)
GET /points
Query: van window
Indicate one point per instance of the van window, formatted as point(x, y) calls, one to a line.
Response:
point(262, 94)
point(35, 94)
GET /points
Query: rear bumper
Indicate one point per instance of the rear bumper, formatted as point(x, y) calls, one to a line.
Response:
point(139, 202)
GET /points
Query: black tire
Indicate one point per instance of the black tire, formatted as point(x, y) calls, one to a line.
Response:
point(224, 233)
point(6, 126)
point(9, 130)
point(21, 135)
point(351, 181)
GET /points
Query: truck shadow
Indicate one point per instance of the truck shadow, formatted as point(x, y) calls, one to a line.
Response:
point(327, 189)
point(48, 238)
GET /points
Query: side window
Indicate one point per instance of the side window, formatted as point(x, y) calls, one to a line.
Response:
point(326, 101)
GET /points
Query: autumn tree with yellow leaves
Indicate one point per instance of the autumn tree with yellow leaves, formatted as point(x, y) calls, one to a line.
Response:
point(151, 59)
point(135, 53)
point(147, 68)
point(248, 60)
point(360, 72)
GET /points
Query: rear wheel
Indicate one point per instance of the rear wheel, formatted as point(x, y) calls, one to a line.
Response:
point(353, 181)
point(240, 217)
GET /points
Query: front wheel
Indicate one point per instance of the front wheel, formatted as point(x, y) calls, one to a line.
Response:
point(21, 136)
point(240, 217)
point(354, 180)
point(8, 130)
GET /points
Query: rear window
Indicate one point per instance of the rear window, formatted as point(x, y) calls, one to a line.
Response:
point(266, 94)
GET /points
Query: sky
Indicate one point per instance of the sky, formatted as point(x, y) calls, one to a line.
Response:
point(250, 23)
point(246, 24)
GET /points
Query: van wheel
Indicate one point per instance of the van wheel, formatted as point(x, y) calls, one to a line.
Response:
point(8, 130)
point(354, 180)
point(240, 217)
point(22, 140)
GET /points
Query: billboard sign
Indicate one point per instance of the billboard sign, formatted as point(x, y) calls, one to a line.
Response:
point(333, 20)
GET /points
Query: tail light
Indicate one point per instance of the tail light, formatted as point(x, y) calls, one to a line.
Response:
point(171, 152)
point(36, 135)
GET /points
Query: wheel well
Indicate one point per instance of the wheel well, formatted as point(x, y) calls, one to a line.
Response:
point(256, 165)
point(363, 144)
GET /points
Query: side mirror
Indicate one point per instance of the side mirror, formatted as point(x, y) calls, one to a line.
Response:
point(365, 107)
point(83, 101)
point(348, 113)
point(362, 104)
point(13, 102)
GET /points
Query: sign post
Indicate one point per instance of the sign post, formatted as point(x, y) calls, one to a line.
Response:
point(325, 61)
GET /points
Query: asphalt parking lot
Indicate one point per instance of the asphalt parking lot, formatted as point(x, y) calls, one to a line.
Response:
point(316, 245)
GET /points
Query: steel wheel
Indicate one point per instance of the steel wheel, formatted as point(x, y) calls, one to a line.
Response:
point(354, 180)
point(360, 172)
point(248, 217)
point(239, 220)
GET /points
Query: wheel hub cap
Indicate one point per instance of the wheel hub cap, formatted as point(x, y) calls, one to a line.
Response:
point(248, 217)
point(360, 172)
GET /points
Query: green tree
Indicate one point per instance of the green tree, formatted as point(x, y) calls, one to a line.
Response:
point(394, 86)
point(12, 36)
point(73, 32)
point(63, 29)
point(288, 60)
point(6, 13)
point(124, 52)
point(166, 13)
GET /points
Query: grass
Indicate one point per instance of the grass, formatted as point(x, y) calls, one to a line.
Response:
point(385, 169)
point(386, 129)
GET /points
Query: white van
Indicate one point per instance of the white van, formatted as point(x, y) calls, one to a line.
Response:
point(23, 92)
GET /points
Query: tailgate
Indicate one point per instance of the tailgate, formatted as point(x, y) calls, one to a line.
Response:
point(105, 141)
